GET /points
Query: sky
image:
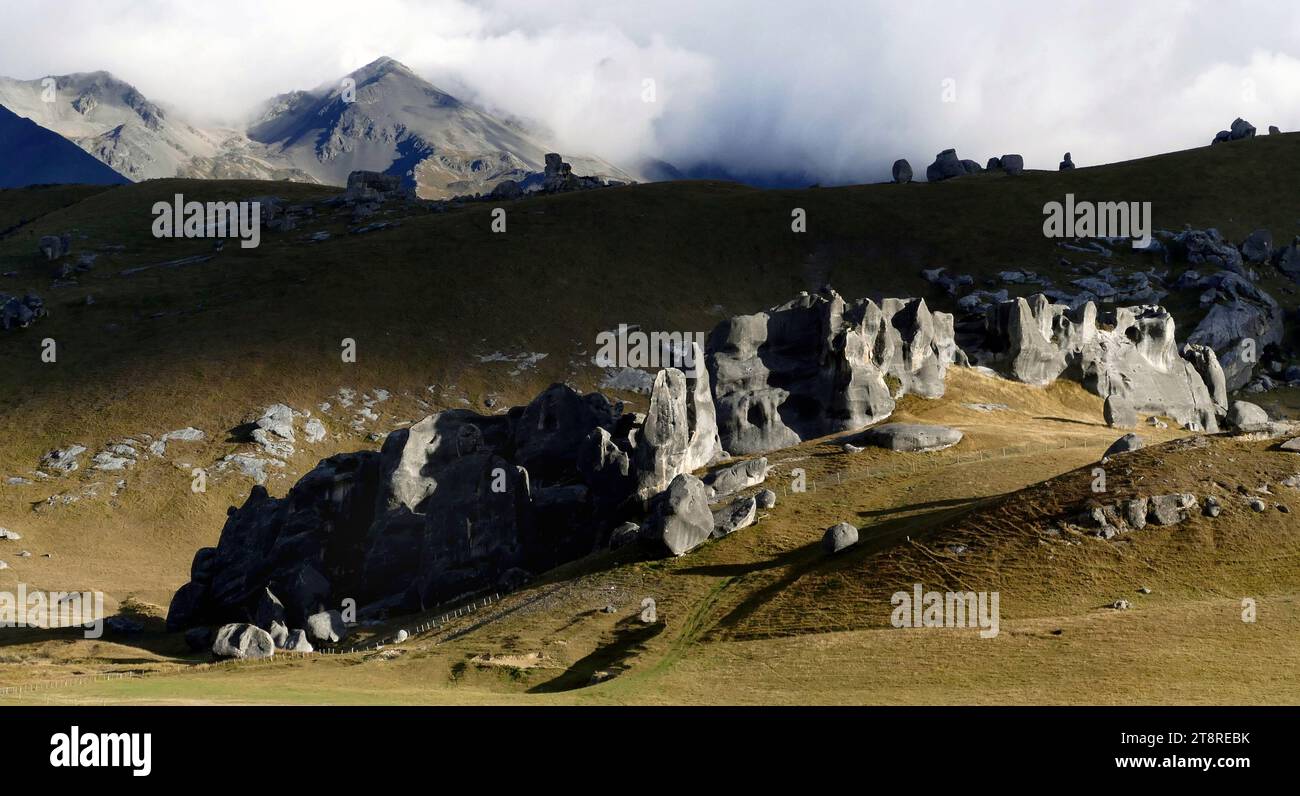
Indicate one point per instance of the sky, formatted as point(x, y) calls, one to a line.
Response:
point(834, 90)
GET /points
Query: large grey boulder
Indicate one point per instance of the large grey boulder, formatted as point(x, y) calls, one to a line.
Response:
point(1129, 353)
point(733, 478)
point(1013, 164)
point(902, 171)
point(818, 365)
point(1067, 163)
point(680, 518)
point(326, 627)
point(946, 165)
point(765, 498)
point(910, 437)
point(1207, 250)
point(839, 537)
point(1245, 416)
point(243, 641)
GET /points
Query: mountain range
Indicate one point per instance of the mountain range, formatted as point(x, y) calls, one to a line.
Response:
point(34, 156)
point(382, 117)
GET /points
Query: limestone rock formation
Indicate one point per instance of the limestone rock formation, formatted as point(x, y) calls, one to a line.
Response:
point(1128, 353)
point(818, 365)
point(902, 171)
point(680, 432)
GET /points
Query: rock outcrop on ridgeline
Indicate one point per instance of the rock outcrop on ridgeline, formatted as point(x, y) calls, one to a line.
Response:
point(1128, 353)
point(819, 365)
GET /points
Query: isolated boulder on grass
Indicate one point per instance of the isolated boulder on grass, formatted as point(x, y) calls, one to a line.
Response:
point(838, 537)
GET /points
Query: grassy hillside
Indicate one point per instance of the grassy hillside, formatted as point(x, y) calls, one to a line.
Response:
point(760, 616)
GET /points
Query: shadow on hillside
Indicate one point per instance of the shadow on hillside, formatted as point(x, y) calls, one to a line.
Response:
point(1072, 421)
point(627, 640)
point(792, 566)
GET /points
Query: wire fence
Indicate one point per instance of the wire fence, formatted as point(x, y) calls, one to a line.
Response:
point(63, 682)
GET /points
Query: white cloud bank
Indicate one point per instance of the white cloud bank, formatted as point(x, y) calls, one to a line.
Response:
point(834, 89)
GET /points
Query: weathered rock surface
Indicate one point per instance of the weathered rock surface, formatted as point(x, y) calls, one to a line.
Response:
point(818, 365)
point(946, 165)
point(839, 537)
point(243, 641)
point(680, 518)
point(733, 478)
point(326, 627)
point(19, 313)
point(910, 437)
point(1243, 320)
point(680, 432)
point(1129, 353)
point(1245, 416)
point(902, 171)
point(1119, 414)
point(447, 507)
point(1126, 443)
point(740, 514)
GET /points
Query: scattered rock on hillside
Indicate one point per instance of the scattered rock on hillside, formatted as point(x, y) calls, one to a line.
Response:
point(274, 432)
point(7, 535)
point(187, 434)
point(902, 171)
point(1013, 164)
point(911, 437)
point(63, 460)
point(1126, 443)
point(243, 641)
point(946, 165)
point(1257, 505)
point(838, 537)
point(1212, 506)
point(765, 498)
point(55, 246)
point(1272, 130)
point(1240, 130)
point(1258, 246)
point(314, 430)
point(19, 313)
point(1067, 163)
point(1121, 605)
